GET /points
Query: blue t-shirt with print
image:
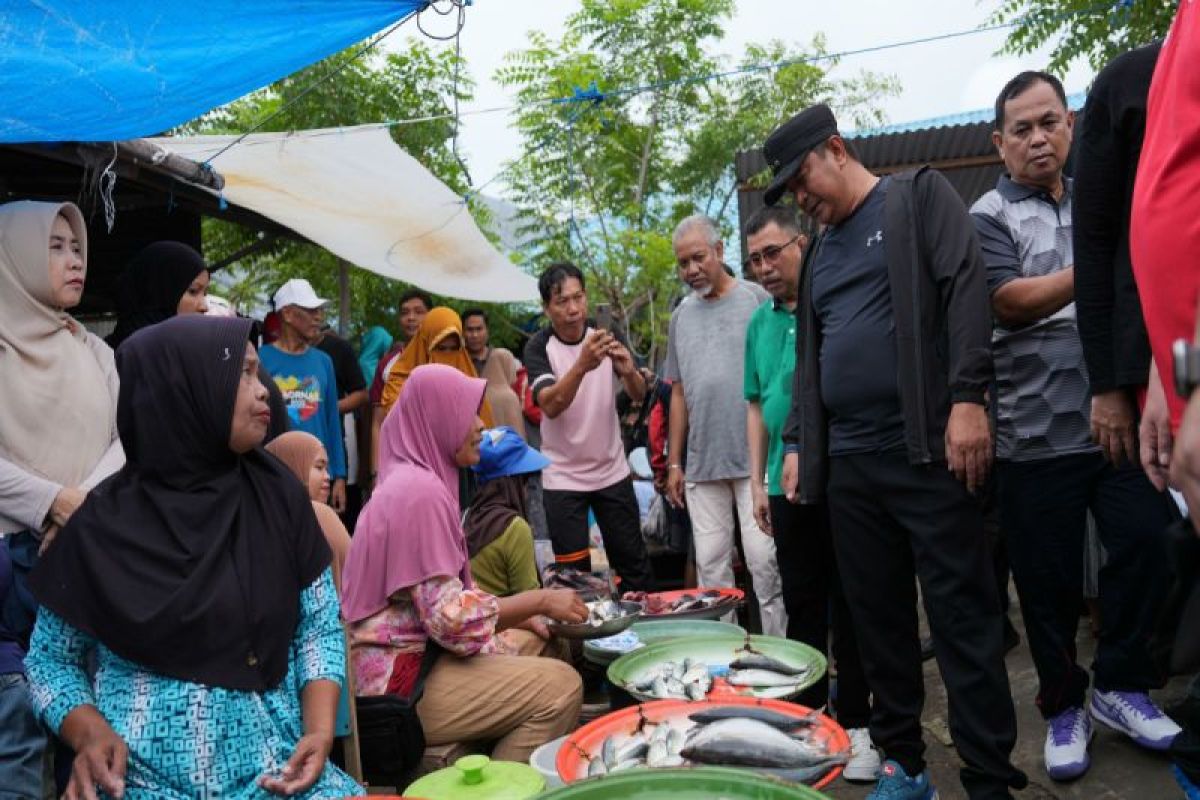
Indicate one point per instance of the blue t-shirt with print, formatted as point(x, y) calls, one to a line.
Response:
point(309, 388)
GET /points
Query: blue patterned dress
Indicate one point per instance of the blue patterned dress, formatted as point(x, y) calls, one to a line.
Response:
point(187, 740)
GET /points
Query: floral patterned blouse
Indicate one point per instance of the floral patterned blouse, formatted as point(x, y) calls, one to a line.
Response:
point(386, 647)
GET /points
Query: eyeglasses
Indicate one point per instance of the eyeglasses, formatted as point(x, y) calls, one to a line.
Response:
point(771, 253)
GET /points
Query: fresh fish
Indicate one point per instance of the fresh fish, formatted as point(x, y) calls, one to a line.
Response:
point(675, 739)
point(656, 754)
point(749, 743)
point(783, 722)
point(601, 611)
point(629, 764)
point(697, 672)
point(661, 732)
point(759, 661)
point(632, 748)
point(695, 691)
point(608, 752)
point(596, 767)
point(760, 677)
point(808, 774)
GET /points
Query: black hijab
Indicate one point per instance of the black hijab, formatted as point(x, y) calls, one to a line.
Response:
point(149, 289)
point(190, 560)
point(148, 293)
point(493, 509)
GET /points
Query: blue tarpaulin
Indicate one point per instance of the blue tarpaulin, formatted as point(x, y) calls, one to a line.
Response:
point(97, 70)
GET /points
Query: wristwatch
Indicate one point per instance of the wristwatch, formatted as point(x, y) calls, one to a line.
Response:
point(1186, 358)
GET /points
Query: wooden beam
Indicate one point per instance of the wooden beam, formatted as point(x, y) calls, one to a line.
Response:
point(250, 249)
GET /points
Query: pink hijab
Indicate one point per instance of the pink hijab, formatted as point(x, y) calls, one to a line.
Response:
point(410, 530)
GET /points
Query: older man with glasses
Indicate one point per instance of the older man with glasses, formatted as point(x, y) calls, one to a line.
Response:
point(705, 347)
point(306, 377)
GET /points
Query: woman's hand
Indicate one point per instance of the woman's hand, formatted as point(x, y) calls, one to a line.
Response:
point(563, 605)
point(66, 503)
point(537, 626)
point(100, 760)
point(303, 768)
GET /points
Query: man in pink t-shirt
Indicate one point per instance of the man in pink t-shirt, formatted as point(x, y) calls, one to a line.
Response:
point(573, 371)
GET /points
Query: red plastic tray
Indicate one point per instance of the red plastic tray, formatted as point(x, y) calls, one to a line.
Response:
point(585, 743)
point(730, 599)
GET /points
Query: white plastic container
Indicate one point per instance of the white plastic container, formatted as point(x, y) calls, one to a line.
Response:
point(543, 761)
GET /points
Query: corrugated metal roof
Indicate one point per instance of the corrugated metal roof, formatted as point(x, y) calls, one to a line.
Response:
point(1074, 101)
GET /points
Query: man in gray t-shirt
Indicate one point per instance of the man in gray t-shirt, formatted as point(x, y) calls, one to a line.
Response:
point(705, 359)
point(1049, 472)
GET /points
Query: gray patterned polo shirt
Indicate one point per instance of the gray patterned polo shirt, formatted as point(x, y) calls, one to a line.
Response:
point(1043, 403)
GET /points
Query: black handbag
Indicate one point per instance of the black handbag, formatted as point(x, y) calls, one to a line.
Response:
point(390, 738)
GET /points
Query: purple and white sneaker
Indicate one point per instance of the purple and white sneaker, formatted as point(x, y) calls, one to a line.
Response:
point(1067, 739)
point(1135, 715)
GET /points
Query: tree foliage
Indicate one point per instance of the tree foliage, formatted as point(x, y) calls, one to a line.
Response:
point(1096, 31)
point(603, 181)
point(418, 81)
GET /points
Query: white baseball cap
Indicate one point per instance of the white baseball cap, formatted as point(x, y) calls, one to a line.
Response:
point(297, 292)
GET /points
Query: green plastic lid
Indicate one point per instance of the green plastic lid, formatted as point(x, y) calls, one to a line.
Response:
point(479, 778)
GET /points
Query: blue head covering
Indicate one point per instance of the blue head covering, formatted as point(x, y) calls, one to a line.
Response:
point(375, 343)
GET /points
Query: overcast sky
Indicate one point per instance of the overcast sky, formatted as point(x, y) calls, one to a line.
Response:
point(962, 74)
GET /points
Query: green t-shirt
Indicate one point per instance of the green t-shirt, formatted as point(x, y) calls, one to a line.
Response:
point(507, 565)
point(770, 364)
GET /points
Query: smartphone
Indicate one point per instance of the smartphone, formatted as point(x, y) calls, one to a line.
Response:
point(604, 320)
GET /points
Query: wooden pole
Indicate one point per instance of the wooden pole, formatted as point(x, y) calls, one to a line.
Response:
point(343, 297)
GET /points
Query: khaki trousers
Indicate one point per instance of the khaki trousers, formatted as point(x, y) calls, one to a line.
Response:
point(521, 702)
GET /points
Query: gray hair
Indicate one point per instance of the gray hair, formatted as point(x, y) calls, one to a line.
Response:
point(706, 225)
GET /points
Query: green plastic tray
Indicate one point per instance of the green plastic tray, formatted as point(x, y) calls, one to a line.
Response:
point(718, 651)
point(654, 631)
point(696, 783)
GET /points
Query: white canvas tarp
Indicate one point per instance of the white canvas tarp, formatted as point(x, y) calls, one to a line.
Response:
point(359, 195)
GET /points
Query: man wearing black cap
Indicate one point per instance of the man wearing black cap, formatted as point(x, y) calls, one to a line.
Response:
point(888, 425)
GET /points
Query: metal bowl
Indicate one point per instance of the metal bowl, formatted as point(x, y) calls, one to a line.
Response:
point(583, 630)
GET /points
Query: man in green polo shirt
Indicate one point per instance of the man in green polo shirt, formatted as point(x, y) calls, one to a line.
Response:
point(803, 546)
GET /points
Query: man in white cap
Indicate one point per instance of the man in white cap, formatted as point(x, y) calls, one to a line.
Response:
point(305, 376)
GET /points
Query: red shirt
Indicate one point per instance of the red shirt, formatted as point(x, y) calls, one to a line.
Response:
point(1165, 225)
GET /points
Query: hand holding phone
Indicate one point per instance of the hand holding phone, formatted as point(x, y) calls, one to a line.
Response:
point(604, 319)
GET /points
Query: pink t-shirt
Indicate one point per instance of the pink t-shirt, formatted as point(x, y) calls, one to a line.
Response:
point(583, 443)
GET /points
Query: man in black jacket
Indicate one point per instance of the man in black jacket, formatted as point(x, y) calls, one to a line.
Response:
point(1109, 314)
point(888, 421)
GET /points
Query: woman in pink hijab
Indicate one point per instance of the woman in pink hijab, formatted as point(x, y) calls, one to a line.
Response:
point(407, 580)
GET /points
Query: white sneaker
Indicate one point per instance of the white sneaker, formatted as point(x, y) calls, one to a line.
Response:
point(864, 762)
point(1067, 738)
point(1135, 715)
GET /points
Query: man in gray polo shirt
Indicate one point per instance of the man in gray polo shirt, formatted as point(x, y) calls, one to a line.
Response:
point(706, 352)
point(1049, 471)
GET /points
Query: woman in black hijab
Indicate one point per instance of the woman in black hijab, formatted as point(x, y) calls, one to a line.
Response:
point(199, 577)
point(167, 279)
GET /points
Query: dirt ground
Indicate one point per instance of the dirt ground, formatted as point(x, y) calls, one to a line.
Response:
point(1120, 769)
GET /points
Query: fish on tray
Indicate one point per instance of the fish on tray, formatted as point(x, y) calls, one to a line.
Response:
point(656, 605)
point(783, 722)
point(730, 736)
point(680, 680)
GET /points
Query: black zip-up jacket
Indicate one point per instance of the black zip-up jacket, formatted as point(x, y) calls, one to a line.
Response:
point(943, 325)
point(1108, 145)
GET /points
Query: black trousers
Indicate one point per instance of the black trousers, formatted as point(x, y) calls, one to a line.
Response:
point(892, 521)
point(1043, 509)
point(616, 511)
point(812, 595)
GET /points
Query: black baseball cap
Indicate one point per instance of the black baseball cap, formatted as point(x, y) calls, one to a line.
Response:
point(787, 146)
